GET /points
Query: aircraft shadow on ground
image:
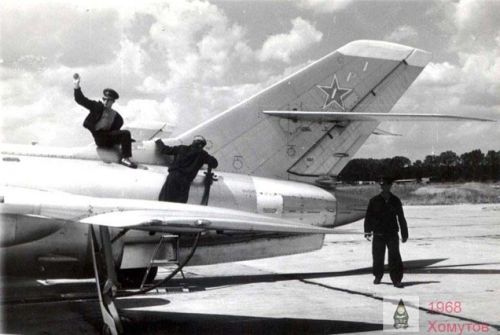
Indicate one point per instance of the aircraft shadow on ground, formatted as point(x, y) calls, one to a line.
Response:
point(85, 318)
point(37, 293)
point(86, 313)
point(64, 317)
point(208, 282)
point(191, 323)
point(421, 266)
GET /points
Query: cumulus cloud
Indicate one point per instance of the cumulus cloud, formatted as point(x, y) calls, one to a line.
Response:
point(402, 33)
point(324, 6)
point(465, 85)
point(476, 23)
point(470, 84)
point(282, 46)
point(57, 34)
point(31, 121)
point(181, 62)
point(473, 79)
point(139, 112)
point(176, 62)
point(190, 44)
point(470, 12)
point(166, 59)
point(439, 74)
point(481, 78)
point(472, 74)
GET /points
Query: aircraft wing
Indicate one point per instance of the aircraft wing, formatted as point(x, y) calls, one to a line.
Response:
point(141, 214)
point(191, 220)
point(378, 117)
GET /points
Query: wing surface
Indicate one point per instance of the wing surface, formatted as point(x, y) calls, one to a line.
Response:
point(142, 214)
point(191, 220)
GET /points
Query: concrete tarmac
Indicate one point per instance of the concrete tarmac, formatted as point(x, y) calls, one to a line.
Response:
point(452, 262)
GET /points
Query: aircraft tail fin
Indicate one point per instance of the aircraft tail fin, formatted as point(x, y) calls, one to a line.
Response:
point(361, 77)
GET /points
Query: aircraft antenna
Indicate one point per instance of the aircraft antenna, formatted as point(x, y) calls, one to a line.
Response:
point(157, 132)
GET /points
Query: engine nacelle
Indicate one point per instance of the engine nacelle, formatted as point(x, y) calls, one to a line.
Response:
point(18, 230)
point(44, 249)
point(350, 207)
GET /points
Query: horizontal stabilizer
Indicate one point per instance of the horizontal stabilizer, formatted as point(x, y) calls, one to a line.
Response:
point(319, 116)
point(384, 132)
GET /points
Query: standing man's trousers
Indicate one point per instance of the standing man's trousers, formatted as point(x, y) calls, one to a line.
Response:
point(391, 241)
point(175, 189)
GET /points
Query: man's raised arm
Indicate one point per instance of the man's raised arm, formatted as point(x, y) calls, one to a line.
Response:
point(79, 97)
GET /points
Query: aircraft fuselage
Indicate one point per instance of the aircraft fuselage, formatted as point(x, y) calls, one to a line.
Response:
point(38, 246)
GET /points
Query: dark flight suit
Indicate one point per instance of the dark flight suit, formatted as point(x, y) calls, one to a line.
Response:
point(382, 219)
point(188, 160)
point(104, 138)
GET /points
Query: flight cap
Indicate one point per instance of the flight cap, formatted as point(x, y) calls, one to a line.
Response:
point(200, 139)
point(110, 93)
point(386, 180)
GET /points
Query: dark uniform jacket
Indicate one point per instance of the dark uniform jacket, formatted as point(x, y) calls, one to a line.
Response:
point(188, 159)
point(382, 217)
point(95, 112)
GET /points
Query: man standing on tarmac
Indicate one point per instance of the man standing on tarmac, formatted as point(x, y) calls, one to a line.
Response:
point(384, 213)
point(104, 122)
point(188, 160)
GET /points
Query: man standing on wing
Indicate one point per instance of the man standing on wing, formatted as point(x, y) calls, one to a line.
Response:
point(188, 160)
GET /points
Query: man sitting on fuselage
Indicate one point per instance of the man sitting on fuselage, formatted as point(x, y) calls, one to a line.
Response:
point(104, 123)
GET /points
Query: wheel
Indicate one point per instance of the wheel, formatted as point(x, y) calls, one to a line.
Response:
point(132, 278)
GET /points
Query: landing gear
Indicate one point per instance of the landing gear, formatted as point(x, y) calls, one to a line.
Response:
point(107, 285)
point(107, 279)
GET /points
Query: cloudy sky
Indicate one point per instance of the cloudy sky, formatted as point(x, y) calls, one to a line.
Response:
point(180, 62)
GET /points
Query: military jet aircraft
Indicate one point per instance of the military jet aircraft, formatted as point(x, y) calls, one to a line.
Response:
point(278, 151)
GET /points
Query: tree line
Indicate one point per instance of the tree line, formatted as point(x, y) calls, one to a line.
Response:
point(446, 167)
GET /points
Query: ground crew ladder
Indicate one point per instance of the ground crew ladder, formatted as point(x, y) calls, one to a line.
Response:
point(158, 260)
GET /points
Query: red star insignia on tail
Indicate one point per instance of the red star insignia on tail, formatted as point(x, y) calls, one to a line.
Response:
point(334, 93)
